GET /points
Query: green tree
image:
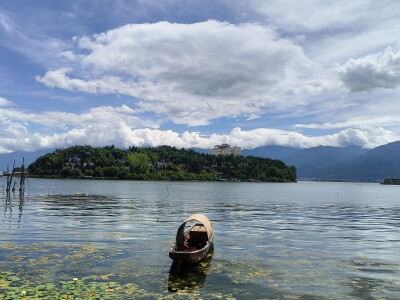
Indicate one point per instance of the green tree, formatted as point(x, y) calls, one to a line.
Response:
point(76, 173)
point(98, 172)
point(153, 160)
point(124, 173)
point(111, 171)
point(65, 172)
point(138, 162)
point(89, 173)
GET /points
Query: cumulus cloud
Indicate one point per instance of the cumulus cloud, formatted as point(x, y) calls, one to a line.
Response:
point(195, 73)
point(367, 137)
point(380, 70)
point(120, 126)
point(99, 126)
point(192, 73)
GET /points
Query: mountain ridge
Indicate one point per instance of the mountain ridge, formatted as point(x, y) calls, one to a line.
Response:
point(351, 163)
point(7, 159)
point(374, 165)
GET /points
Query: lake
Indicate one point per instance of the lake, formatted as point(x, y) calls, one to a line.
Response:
point(305, 240)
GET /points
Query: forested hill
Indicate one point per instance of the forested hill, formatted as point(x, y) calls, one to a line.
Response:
point(160, 163)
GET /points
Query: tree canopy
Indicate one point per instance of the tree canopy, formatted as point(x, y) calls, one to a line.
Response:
point(157, 163)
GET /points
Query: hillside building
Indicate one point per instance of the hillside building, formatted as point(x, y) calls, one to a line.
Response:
point(226, 149)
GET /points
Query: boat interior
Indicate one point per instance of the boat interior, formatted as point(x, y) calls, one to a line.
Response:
point(195, 239)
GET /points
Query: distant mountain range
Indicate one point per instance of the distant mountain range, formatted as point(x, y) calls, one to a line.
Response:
point(29, 157)
point(351, 163)
point(312, 162)
point(373, 165)
point(274, 152)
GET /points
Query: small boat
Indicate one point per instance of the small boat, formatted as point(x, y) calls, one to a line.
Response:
point(192, 245)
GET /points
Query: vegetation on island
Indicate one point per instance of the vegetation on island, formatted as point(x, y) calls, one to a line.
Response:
point(157, 163)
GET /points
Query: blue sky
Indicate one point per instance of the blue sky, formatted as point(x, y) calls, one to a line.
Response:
point(249, 73)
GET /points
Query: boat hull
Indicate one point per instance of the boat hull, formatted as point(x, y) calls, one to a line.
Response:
point(189, 256)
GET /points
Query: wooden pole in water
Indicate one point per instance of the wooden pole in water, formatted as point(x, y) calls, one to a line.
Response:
point(22, 179)
point(8, 180)
point(11, 177)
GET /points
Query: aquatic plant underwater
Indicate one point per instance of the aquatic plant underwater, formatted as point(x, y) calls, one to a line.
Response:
point(41, 271)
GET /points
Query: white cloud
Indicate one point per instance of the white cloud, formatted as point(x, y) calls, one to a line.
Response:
point(198, 72)
point(108, 125)
point(356, 122)
point(320, 15)
point(380, 70)
point(99, 126)
point(5, 102)
point(105, 115)
point(28, 36)
point(334, 31)
point(367, 137)
point(6, 23)
point(192, 73)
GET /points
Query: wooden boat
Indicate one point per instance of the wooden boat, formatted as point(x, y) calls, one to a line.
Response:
point(192, 245)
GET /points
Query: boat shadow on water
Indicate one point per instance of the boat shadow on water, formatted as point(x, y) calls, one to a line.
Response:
point(189, 277)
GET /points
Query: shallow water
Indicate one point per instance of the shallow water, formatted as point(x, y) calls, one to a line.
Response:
point(309, 240)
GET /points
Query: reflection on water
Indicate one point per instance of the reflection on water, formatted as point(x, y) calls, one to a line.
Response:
point(277, 241)
point(14, 205)
point(369, 278)
point(189, 276)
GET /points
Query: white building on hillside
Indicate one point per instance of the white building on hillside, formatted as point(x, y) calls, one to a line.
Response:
point(226, 149)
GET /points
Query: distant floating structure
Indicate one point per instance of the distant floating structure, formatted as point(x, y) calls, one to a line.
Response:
point(391, 181)
point(226, 149)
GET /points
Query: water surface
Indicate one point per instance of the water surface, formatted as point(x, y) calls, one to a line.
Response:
point(309, 240)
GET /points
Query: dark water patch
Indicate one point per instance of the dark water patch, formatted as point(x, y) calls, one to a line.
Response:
point(366, 288)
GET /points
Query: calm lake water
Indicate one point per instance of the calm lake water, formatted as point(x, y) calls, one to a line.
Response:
point(308, 240)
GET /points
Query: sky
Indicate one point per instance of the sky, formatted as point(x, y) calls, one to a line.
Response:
point(197, 73)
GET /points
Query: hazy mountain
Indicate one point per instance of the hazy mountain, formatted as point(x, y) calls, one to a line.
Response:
point(30, 157)
point(374, 165)
point(201, 150)
point(311, 161)
point(274, 152)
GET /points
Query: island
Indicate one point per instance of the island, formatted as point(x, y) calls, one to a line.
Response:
point(157, 163)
